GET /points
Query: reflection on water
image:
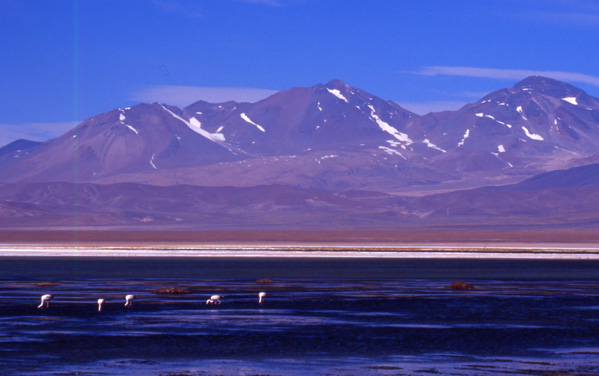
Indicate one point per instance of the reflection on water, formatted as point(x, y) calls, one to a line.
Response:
point(360, 313)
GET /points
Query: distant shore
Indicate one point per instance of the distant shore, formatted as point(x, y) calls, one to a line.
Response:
point(390, 244)
point(402, 236)
point(515, 251)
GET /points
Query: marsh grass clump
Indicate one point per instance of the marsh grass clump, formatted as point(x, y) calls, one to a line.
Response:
point(171, 290)
point(47, 284)
point(460, 285)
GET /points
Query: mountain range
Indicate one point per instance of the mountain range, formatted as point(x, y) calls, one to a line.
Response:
point(328, 155)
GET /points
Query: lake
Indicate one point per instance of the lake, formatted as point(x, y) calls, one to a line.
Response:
point(320, 316)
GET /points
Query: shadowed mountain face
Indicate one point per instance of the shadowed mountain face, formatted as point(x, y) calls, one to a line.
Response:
point(333, 141)
point(578, 177)
point(132, 204)
point(560, 199)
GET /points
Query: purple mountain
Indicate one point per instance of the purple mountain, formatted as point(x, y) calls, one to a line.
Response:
point(326, 136)
point(560, 199)
point(323, 117)
point(314, 155)
point(540, 124)
point(141, 138)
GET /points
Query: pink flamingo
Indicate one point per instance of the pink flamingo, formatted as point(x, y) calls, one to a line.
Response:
point(214, 299)
point(45, 299)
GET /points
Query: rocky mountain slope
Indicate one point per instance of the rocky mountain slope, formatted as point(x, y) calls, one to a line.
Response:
point(313, 156)
point(561, 199)
point(327, 136)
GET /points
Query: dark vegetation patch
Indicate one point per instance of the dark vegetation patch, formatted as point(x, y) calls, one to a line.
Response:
point(171, 290)
point(460, 285)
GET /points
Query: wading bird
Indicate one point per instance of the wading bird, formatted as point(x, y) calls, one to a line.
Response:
point(45, 299)
point(128, 300)
point(214, 299)
point(261, 297)
point(100, 302)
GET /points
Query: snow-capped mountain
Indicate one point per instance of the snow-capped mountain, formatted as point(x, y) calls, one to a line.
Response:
point(141, 138)
point(328, 136)
point(540, 124)
point(322, 117)
point(293, 137)
point(316, 157)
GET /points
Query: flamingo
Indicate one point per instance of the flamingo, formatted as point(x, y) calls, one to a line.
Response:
point(214, 299)
point(261, 297)
point(128, 300)
point(45, 299)
point(100, 302)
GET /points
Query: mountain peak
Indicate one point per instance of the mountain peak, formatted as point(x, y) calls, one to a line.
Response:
point(547, 86)
point(336, 84)
point(537, 81)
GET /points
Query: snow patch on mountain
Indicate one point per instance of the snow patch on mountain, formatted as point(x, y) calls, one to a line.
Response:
point(196, 126)
point(571, 100)
point(519, 109)
point(496, 155)
point(501, 149)
point(568, 151)
point(480, 114)
point(391, 151)
point(432, 146)
point(466, 135)
point(152, 162)
point(532, 136)
point(248, 120)
point(338, 94)
point(389, 129)
point(122, 119)
point(329, 156)
point(132, 129)
point(195, 122)
point(502, 123)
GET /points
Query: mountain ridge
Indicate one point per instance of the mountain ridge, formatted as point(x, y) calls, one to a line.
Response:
point(560, 199)
point(328, 153)
point(511, 134)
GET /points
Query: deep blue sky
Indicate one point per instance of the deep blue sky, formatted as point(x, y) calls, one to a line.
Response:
point(65, 60)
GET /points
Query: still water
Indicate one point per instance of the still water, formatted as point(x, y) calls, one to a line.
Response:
point(320, 316)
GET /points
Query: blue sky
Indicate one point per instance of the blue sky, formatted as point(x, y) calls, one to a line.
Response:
point(66, 60)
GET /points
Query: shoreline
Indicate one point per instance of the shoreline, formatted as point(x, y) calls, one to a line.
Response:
point(471, 251)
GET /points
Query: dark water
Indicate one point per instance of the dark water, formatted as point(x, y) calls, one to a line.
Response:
point(342, 316)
